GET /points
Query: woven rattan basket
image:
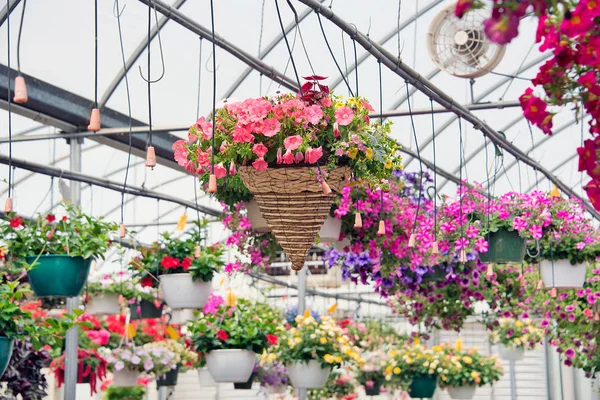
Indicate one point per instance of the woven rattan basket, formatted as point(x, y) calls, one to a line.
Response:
point(293, 204)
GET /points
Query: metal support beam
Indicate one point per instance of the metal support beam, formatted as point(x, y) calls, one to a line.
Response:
point(105, 183)
point(472, 107)
point(439, 96)
point(248, 59)
point(4, 12)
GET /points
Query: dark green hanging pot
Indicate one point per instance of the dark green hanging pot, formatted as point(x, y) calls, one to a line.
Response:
point(437, 275)
point(168, 379)
point(144, 309)
point(6, 349)
point(422, 387)
point(58, 275)
point(374, 390)
point(504, 246)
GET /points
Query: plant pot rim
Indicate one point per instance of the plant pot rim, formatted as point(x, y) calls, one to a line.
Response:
point(2, 337)
point(60, 255)
point(183, 273)
point(231, 350)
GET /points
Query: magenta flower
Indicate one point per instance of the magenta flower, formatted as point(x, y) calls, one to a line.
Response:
point(344, 115)
point(461, 243)
point(536, 231)
point(481, 245)
point(519, 224)
point(570, 353)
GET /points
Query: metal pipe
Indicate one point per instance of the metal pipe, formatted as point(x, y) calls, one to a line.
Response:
point(472, 107)
point(183, 20)
point(105, 183)
point(439, 96)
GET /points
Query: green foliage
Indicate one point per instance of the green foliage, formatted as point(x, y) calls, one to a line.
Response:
point(75, 234)
point(465, 368)
point(337, 387)
point(125, 393)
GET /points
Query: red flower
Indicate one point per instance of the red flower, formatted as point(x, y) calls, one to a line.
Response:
point(16, 222)
point(344, 323)
point(186, 263)
point(169, 262)
point(146, 282)
point(65, 218)
point(50, 218)
point(272, 339)
point(222, 335)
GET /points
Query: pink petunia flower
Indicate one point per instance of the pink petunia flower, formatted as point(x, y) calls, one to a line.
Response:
point(519, 224)
point(292, 142)
point(344, 115)
point(288, 157)
point(260, 149)
point(313, 114)
point(536, 231)
point(260, 164)
point(220, 171)
point(242, 135)
point(271, 127)
point(481, 245)
point(313, 155)
point(181, 152)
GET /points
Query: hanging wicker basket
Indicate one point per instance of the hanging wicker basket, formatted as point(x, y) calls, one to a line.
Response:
point(293, 204)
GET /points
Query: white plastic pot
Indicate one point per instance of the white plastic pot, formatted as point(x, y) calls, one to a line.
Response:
point(103, 304)
point(511, 353)
point(330, 231)
point(561, 274)
point(275, 389)
point(259, 224)
point(182, 316)
point(231, 365)
point(307, 375)
point(180, 291)
point(462, 393)
point(205, 377)
point(125, 378)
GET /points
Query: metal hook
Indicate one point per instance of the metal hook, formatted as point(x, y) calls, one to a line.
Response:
point(162, 56)
point(206, 64)
point(116, 11)
point(537, 246)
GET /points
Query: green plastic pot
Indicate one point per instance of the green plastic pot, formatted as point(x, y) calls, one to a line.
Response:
point(6, 349)
point(144, 309)
point(422, 387)
point(373, 391)
point(58, 275)
point(504, 246)
point(437, 275)
point(168, 379)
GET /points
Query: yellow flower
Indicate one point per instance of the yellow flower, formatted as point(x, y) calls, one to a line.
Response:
point(417, 340)
point(518, 324)
point(323, 340)
point(517, 341)
point(230, 298)
point(369, 153)
point(436, 348)
point(458, 344)
point(467, 360)
point(388, 163)
point(397, 370)
point(474, 374)
point(352, 153)
point(329, 358)
point(338, 359)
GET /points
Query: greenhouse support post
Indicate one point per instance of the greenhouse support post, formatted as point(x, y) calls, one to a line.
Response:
point(301, 307)
point(73, 302)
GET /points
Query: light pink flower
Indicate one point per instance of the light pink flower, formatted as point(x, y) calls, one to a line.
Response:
point(271, 127)
point(288, 157)
point(313, 114)
point(192, 137)
point(260, 149)
point(336, 130)
point(220, 171)
point(204, 127)
point(313, 155)
point(299, 157)
point(242, 135)
point(367, 105)
point(181, 152)
point(203, 158)
point(344, 116)
point(279, 158)
point(292, 142)
point(260, 164)
point(232, 170)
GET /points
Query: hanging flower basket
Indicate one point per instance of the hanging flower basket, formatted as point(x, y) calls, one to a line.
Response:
point(259, 224)
point(6, 350)
point(561, 274)
point(245, 385)
point(504, 246)
point(422, 387)
point(58, 275)
point(231, 365)
point(181, 291)
point(145, 309)
point(103, 304)
point(511, 353)
point(293, 204)
point(462, 393)
point(373, 390)
point(168, 379)
point(307, 375)
point(125, 378)
point(205, 377)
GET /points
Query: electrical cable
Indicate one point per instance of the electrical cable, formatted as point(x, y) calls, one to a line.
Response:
point(333, 55)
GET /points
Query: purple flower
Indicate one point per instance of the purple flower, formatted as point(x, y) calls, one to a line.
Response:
point(570, 353)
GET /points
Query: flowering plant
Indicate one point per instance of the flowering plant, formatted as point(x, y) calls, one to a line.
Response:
point(339, 386)
point(314, 128)
point(237, 324)
point(126, 393)
point(411, 361)
point(310, 339)
point(172, 255)
point(114, 283)
point(271, 373)
point(157, 361)
point(91, 367)
point(515, 333)
point(370, 372)
point(23, 377)
point(75, 234)
point(468, 367)
point(183, 356)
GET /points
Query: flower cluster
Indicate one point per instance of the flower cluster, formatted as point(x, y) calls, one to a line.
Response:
point(271, 373)
point(411, 361)
point(320, 130)
point(157, 361)
point(467, 367)
point(516, 333)
point(339, 386)
point(183, 356)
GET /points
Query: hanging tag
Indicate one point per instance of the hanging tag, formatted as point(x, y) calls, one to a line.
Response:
point(182, 221)
point(172, 333)
point(332, 308)
point(417, 341)
point(554, 192)
point(230, 298)
point(130, 331)
point(222, 281)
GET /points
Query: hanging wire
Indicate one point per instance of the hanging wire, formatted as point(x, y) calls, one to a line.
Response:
point(460, 183)
point(19, 37)
point(355, 65)
point(95, 53)
point(9, 100)
point(344, 51)
point(412, 123)
point(434, 171)
point(380, 94)
point(117, 13)
point(333, 55)
point(287, 44)
point(197, 210)
point(398, 28)
point(199, 80)
point(214, 99)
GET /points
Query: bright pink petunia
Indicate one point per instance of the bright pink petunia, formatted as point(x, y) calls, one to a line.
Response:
point(271, 127)
point(519, 224)
point(260, 164)
point(260, 149)
point(336, 130)
point(279, 158)
point(299, 157)
point(242, 135)
point(313, 114)
point(344, 115)
point(181, 152)
point(313, 155)
point(481, 245)
point(204, 127)
point(536, 231)
point(462, 6)
point(288, 157)
point(220, 171)
point(292, 142)
point(503, 28)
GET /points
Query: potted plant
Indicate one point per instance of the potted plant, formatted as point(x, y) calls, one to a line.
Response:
point(339, 386)
point(289, 149)
point(24, 376)
point(514, 336)
point(231, 336)
point(272, 374)
point(414, 367)
point(248, 384)
point(184, 358)
point(311, 347)
point(128, 361)
point(57, 253)
point(465, 370)
point(125, 393)
point(103, 293)
point(369, 373)
point(91, 368)
point(185, 277)
point(143, 299)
